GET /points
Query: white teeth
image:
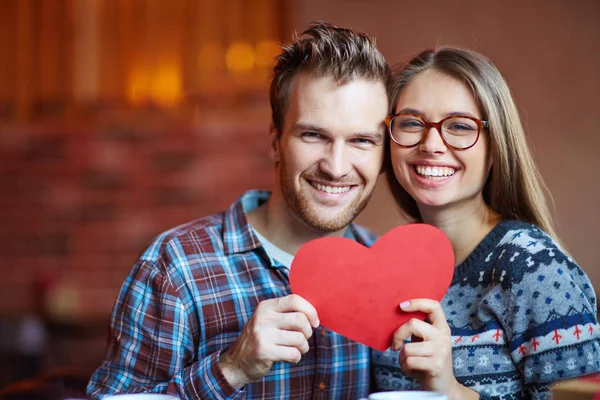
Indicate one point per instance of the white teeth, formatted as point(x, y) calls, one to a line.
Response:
point(332, 189)
point(434, 171)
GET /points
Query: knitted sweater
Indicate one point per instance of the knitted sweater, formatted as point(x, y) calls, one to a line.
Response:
point(522, 315)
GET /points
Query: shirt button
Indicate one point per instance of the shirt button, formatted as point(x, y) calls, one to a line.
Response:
point(323, 332)
point(322, 386)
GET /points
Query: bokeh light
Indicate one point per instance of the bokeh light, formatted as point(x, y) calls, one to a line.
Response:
point(240, 57)
point(266, 50)
point(211, 57)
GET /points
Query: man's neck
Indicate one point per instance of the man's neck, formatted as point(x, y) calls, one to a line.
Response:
point(465, 224)
point(280, 226)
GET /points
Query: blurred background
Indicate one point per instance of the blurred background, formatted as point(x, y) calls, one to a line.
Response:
point(122, 118)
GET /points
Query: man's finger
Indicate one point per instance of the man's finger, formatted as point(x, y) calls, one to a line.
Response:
point(295, 303)
point(287, 354)
point(295, 321)
point(292, 339)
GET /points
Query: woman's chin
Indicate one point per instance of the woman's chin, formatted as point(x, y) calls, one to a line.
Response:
point(431, 202)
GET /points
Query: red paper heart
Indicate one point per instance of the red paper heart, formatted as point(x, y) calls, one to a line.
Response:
point(357, 290)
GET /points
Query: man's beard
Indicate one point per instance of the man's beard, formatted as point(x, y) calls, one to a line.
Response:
point(300, 204)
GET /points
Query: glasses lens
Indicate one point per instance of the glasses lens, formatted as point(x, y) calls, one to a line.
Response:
point(460, 132)
point(407, 130)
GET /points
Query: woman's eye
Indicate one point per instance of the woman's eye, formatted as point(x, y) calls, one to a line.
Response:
point(461, 127)
point(411, 124)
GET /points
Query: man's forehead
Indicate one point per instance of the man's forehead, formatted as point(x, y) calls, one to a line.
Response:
point(322, 101)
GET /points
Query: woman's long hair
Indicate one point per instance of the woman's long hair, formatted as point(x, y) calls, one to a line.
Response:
point(514, 188)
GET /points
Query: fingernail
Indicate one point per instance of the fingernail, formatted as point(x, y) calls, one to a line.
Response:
point(405, 304)
point(318, 323)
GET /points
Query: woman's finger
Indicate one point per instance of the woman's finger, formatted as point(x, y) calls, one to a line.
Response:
point(432, 308)
point(417, 328)
point(420, 349)
point(432, 366)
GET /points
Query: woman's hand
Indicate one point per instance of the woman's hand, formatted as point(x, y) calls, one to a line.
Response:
point(428, 356)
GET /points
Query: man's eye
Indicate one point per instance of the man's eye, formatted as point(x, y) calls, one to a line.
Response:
point(312, 135)
point(364, 142)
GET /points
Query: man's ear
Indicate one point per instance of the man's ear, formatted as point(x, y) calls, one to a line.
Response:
point(387, 156)
point(274, 138)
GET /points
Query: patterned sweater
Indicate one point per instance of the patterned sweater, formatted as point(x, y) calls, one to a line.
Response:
point(522, 315)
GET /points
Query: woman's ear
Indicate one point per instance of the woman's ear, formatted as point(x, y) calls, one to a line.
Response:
point(491, 155)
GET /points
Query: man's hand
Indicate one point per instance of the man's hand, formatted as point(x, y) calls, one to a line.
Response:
point(278, 330)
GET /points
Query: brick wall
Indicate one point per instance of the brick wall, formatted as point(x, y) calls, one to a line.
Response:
point(80, 201)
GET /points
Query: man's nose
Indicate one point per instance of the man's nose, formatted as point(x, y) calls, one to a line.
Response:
point(335, 161)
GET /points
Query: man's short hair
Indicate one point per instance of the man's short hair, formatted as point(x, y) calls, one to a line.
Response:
point(324, 50)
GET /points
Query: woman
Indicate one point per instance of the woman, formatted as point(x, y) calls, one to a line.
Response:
point(520, 313)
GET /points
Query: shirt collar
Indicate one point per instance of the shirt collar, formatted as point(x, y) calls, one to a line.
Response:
point(238, 235)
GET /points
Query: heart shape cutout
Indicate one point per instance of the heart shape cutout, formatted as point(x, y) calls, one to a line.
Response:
point(357, 290)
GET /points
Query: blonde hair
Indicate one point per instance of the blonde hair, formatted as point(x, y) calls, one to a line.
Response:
point(325, 50)
point(514, 188)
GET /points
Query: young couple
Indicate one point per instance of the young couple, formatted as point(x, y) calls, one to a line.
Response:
point(207, 312)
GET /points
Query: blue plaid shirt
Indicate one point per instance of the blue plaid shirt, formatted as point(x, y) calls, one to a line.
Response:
point(188, 298)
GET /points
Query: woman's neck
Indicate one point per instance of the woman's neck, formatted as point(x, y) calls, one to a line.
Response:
point(465, 225)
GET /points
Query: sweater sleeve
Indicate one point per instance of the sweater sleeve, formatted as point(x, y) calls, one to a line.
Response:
point(552, 318)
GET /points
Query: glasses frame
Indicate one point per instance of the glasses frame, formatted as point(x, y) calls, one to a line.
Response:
point(481, 124)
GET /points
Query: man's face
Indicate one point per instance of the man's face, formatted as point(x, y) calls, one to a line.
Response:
point(331, 150)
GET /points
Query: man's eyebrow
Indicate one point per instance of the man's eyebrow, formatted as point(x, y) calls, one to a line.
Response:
point(301, 126)
point(304, 127)
point(375, 136)
point(422, 115)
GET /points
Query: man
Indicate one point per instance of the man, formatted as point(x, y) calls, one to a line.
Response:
point(207, 311)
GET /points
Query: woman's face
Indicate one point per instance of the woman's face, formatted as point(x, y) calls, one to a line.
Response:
point(433, 174)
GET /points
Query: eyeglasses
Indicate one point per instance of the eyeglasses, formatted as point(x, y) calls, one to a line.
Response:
point(457, 131)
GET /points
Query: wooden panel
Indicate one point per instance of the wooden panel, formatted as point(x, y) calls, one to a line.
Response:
point(109, 41)
point(24, 56)
point(137, 73)
point(166, 86)
point(234, 18)
point(81, 51)
point(84, 53)
point(127, 27)
point(264, 15)
point(48, 49)
point(8, 30)
point(209, 58)
point(191, 46)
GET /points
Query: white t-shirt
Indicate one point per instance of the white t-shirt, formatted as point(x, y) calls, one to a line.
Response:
point(275, 252)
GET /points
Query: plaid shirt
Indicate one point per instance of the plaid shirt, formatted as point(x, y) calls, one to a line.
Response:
point(188, 298)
